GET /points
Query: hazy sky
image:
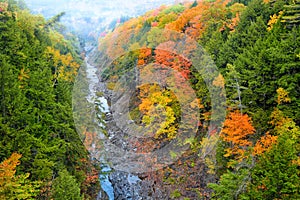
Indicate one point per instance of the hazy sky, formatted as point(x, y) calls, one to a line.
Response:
point(96, 7)
point(87, 16)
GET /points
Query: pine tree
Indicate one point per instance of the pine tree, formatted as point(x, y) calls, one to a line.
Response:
point(65, 187)
point(276, 174)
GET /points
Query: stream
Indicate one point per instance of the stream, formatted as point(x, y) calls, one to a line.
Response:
point(92, 97)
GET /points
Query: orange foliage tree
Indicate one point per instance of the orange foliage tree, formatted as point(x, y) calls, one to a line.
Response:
point(264, 144)
point(15, 186)
point(196, 20)
point(173, 61)
point(237, 129)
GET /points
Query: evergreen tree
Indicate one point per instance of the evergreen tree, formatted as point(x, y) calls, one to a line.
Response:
point(276, 174)
point(36, 115)
point(65, 187)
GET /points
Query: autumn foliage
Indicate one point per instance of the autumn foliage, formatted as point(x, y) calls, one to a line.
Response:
point(237, 129)
point(155, 105)
point(168, 59)
point(264, 144)
point(259, 66)
point(65, 67)
point(196, 20)
point(14, 186)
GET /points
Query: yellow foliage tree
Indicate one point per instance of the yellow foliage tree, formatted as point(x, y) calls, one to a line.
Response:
point(23, 76)
point(273, 20)
point(156, 110)
point(282, 96)
point(15, 186)
point(65, 68)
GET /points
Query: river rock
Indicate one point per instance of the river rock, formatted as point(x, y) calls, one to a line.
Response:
point(130, 187)
point(102, 195)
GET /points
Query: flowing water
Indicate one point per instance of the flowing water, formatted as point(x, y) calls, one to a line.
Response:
point(92, 97)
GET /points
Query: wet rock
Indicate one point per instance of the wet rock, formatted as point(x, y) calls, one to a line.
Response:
point(102, 195)
point(131, 187)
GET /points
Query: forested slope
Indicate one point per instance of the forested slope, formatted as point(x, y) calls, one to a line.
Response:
point(41, 153)
point(253, 154)
point(255, 46)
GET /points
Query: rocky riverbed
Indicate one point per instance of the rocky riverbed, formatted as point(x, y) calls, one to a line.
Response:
point(187, 177)
point(125, 185)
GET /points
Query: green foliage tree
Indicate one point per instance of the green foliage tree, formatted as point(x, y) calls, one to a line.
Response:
point(65, 187)
point(257, 50)
point(231, 185)
point(292, 14)
point(276, 174)
point(36, 116)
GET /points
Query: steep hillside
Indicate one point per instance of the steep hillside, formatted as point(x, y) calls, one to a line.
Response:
point(253, 153)
point(41, 153)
